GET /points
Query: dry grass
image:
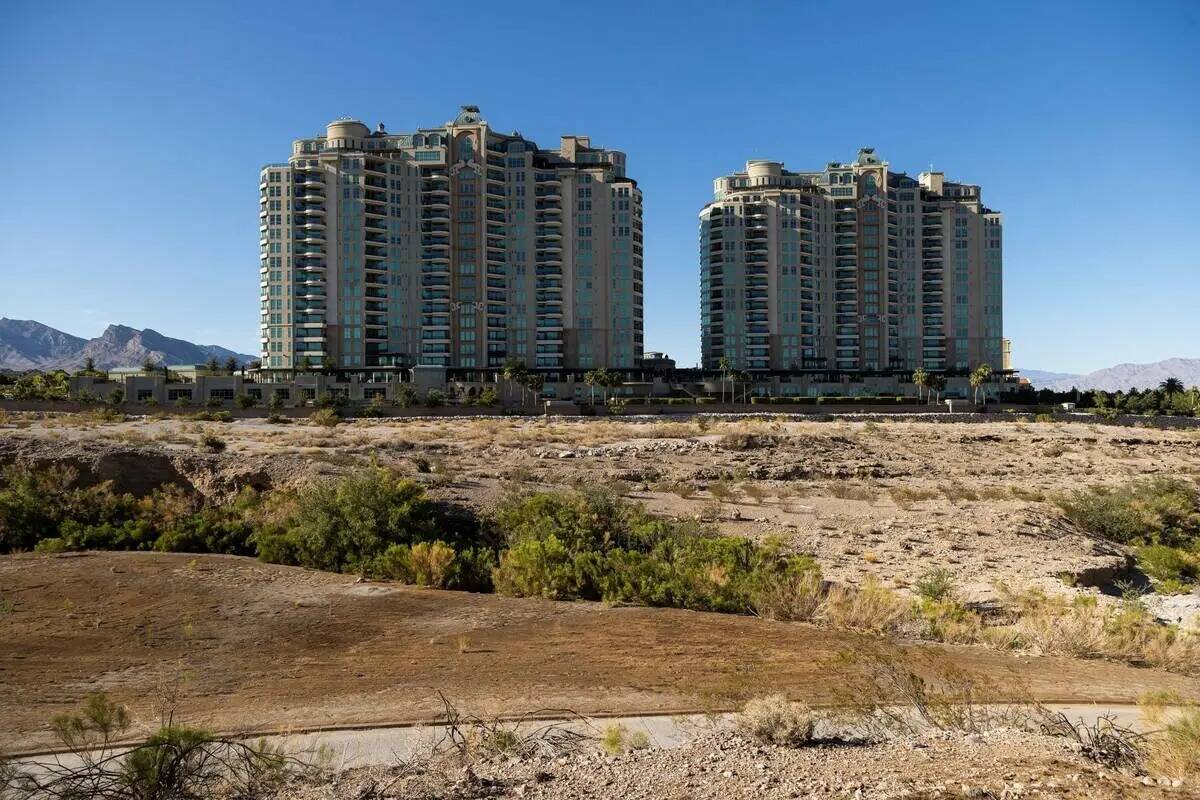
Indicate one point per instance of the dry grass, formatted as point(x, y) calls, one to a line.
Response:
point(1083, 628)
point(906, 496)
point(844, 490)
point(871, 607)
point(794, 597)
point(777, 721)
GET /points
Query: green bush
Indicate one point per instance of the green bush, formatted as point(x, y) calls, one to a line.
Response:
point(325, 417)
point(1171, 569)
point(375, 523)
point(594, 545)
point(1155, 511)
point(1159, 516)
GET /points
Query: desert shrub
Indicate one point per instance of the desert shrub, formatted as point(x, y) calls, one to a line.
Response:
point(275, 418)
point(1175, 751)
point(213, 416)
point(844, 490)
point(176, 761)
point(487, 398)
point(405, 396)
point(1159, 510)
point(905, 496)
point(374, 408)
point(431, 563)
point(213, 444)
point(35, 504)
point(1081, 627)
point(871, 607)
point(325, 417)
point(435, 398)
point(1171, 569)
point(947, 620)
point(794, 597)
point(341, 525)
point(596, 545)
point(244, 400)
point(775, 720)
point(936, 584)
point(956, 492)
point(1043, 417)
point(885, 690)
point(373, 522)
point(616, 739)
point(1160, 516)
point(332, 400)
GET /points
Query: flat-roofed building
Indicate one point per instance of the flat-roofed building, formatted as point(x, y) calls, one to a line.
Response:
point(454, 246)
point(852, 267)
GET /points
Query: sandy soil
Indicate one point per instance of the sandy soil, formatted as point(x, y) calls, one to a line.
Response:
point(250, 646)
point(888, 498)
point(1001, 764)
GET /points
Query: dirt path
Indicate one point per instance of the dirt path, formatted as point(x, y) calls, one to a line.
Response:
point(255, 646)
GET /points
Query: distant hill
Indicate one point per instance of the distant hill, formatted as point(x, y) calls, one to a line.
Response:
point(1122, 376)
point(27, 344)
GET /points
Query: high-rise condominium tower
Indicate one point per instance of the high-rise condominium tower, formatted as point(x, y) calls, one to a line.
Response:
point(850, 268)
point(455, 246)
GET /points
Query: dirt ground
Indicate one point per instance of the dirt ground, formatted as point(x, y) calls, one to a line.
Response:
point(250, 646)
point(892, 496)
point(1001, 764)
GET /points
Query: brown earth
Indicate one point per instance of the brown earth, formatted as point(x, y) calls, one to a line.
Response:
point(260, 647)
point(893, 497)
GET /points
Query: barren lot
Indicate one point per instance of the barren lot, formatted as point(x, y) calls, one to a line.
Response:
point(892, 497)
point(269, 648)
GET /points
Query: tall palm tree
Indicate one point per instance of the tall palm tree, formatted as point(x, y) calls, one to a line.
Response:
point(1171, 386)
point(724, 365)
point(921, 378)
point(592, 377)
point(979, 377)
point(936, 383)
point(512, 372)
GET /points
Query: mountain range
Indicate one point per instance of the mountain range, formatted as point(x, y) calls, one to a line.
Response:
point(27, 344)
point(1120, 377)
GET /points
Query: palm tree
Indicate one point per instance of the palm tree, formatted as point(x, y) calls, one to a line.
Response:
point(921, 378)
point(592, 378)
point(937, 383)
point(513, 371)
point(534, 381)
point(304, 364)
point(739, 376)
point(979, 377)
point(1171, 386)
point(724, 365)
point(611, 379)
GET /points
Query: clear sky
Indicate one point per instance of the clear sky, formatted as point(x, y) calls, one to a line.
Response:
point(135, 132)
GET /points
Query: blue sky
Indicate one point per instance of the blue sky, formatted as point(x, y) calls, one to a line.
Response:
point(135, 131)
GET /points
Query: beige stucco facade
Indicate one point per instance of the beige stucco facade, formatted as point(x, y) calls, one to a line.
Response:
point(454, 246)
point(849, 268)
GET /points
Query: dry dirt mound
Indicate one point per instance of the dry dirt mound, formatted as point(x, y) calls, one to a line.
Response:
point(138, 469)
